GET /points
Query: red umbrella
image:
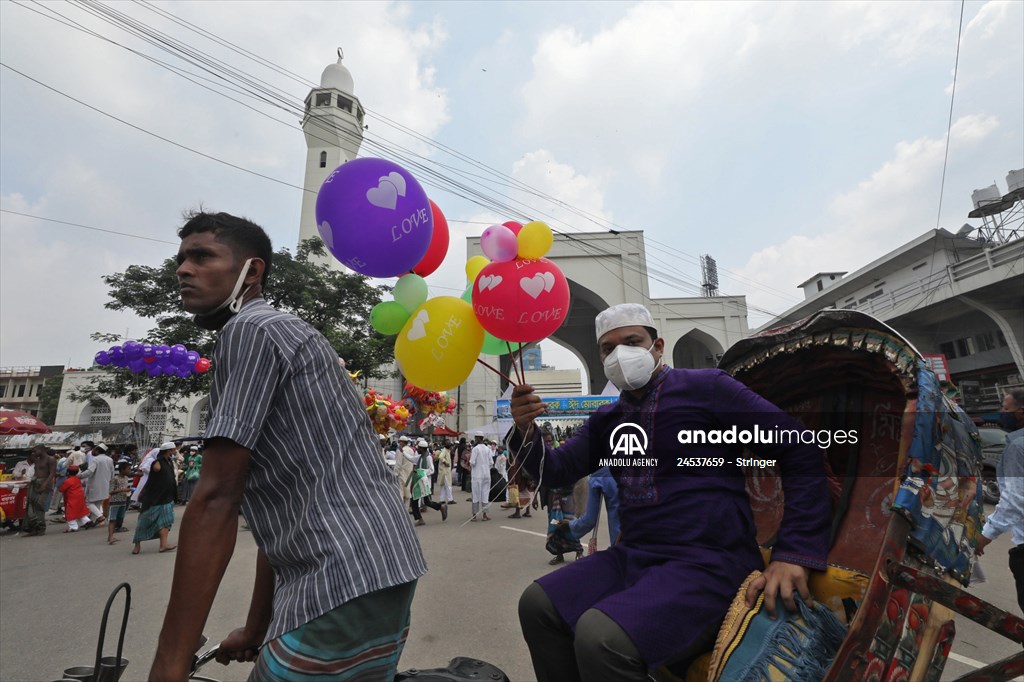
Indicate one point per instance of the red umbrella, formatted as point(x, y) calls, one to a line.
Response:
point(15, 422)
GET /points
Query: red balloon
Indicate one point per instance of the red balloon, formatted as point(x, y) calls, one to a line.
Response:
point(438, 248)
point(521, 300)
point(202, 365)
point(149, 359)
point(514, 226)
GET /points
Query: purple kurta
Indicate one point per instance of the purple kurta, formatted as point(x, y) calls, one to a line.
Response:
point(688, 537)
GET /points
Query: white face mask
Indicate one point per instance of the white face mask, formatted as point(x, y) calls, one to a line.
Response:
point(630, 367)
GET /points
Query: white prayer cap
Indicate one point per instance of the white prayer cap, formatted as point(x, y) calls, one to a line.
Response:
point(102, 446)
point(622, 315)
point(422, 443)
point(403, 438)
point(168, 446)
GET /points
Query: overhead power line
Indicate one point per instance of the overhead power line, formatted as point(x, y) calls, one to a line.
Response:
point(427, 174)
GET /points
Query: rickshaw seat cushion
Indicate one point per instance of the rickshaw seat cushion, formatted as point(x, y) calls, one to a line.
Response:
point(698, 670)
point(794, 647)
point(833, 585)
point(829, 588)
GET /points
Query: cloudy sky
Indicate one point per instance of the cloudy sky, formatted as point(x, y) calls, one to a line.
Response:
point(781, 138)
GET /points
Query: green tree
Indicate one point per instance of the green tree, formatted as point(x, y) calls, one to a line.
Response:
point(49, 396)
point(337, 304)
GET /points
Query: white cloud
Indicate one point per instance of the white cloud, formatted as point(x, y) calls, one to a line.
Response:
point(637, 91)
point(541, 170)
point(51, 291)
point(65, 162)
point(894, 205)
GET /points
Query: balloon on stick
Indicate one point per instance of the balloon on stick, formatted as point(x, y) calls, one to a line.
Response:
point(535, 240)
point(388, 317)
point(440, 343)
point(410, 292)
point(438, 248)
point(521, 300)
point(474, 265)
point(374, 217)
point(499, 243)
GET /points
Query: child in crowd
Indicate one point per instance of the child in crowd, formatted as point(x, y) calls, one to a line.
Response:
point(74, 501)
point(120, 486)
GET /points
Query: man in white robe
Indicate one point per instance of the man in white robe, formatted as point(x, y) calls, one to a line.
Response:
point(480, 461)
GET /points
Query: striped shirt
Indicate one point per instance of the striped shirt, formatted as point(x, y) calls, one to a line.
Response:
point(321, 502)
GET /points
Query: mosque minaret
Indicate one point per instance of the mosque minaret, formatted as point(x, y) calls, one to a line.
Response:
point(333, 126)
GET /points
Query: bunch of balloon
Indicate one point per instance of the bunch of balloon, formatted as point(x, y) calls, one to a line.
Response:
point(519, 296)
point(386, 413)
point(438, 339)
point(429, 402)
point(176, 360)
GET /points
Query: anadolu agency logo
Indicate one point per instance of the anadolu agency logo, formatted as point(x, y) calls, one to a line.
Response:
point(628, 440)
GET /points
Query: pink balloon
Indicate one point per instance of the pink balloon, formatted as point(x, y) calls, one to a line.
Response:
point(514, 226)
point(499, 243)
point(521, 300)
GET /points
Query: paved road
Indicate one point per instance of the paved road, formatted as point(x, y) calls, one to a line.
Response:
point(53, 588)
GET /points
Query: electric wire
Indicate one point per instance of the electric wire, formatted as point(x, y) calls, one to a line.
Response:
point(506, 179)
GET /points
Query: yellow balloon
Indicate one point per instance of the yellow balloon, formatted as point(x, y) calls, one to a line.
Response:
point(535, 240)
point(474, 265)
point(439, 344)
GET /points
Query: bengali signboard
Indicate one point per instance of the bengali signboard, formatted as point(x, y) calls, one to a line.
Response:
point(562, 406)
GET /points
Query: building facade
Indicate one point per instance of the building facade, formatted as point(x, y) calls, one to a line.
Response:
point(21, 387)
point(947, 294)
point(160, 422)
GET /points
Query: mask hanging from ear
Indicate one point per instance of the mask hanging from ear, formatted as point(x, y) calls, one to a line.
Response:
point(219, 316)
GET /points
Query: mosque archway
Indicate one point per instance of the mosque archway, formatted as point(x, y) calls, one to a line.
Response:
point(696, 350)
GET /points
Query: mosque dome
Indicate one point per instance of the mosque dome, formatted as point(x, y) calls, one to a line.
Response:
point(338, 77)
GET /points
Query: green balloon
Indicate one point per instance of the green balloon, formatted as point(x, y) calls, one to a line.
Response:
point(493, 345)
point(411, 292)
point(388, 317)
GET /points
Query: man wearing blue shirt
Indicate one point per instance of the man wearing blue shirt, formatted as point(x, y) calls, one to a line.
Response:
point(1009, 513)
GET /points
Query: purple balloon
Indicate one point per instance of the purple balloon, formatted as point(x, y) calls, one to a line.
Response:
point(137, 365)
point(148, 351)
point(117, 357)
point(153, 369)
point(374, 217)
point(191, 358)
point(179, 354)
point(184, 372)
point(103, 358)
point(132, 350)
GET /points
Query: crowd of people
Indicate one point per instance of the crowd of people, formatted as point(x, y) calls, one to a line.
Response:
point(490, 473)
point(94, 484)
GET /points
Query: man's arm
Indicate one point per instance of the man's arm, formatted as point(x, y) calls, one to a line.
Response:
point(243, 644)
point(206, 542)
point(563, 465)
point(1009, 513)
